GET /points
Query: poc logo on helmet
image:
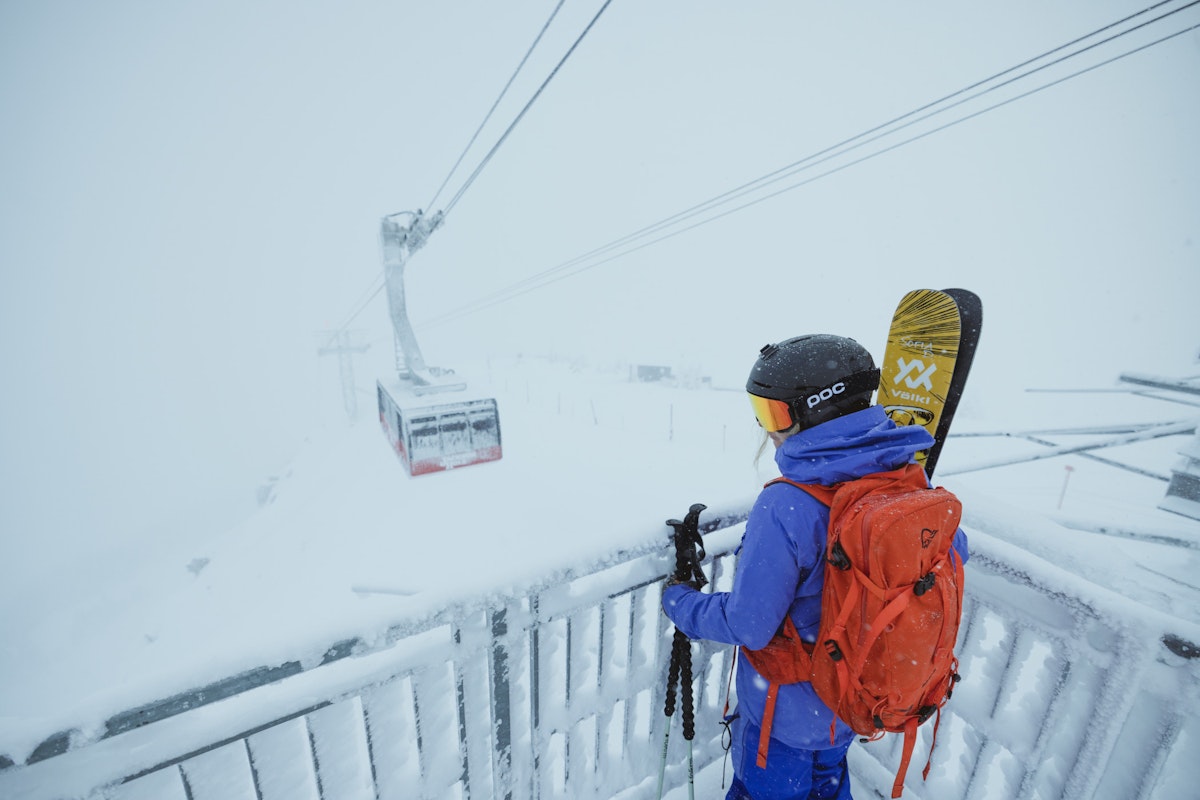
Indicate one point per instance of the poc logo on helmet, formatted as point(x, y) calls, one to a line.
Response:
point(825, 394)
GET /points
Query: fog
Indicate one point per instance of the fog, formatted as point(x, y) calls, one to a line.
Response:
point(191, 193)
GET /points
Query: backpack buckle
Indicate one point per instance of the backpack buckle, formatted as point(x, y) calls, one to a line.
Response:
point(838, 557)
point(924, 585)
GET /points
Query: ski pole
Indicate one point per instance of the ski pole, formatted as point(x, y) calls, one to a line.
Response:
point(689, 712)
point(669, 710)
point(691, 774)
point(689, 552)
point(662, 764)
point(679, 674)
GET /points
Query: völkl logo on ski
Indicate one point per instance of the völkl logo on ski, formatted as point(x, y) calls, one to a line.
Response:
point(915, 365)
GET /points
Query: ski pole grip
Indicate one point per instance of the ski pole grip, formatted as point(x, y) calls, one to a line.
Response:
point(689, 548)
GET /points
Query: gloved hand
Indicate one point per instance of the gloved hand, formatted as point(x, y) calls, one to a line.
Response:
point(691, 583)
point(673, 594)
point(689, 549)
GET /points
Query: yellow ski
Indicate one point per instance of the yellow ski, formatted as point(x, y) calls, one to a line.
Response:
point(919, 360)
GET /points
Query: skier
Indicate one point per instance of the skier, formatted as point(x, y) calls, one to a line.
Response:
point(812, 397)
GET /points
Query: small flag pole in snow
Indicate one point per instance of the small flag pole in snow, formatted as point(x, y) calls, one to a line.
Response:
point(1063, 493)
point(689, 552)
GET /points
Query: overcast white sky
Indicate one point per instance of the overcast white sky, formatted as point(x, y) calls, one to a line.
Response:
point(191, 191)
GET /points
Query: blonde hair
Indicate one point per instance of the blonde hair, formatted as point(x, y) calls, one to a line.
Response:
point(766, 439)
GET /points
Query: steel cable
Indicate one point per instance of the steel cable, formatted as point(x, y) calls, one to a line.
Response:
point(503, 137)
point(487, 158)
point(552, 275)
point(492, 110)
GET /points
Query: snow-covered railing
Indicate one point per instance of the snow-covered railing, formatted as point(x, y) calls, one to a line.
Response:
point(1069, 691)
point(553, 693)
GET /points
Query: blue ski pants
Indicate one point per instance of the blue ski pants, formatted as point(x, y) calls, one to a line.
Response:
point(790, 774)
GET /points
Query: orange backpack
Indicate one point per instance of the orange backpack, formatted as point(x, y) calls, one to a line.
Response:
point(890, 611)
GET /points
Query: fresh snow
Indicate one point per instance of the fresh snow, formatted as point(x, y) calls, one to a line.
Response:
point(348, 545)
point(344, 515)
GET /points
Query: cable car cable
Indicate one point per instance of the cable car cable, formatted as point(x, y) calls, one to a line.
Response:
point(815, 160)
point(378, 283)
point(790, 168)
point(362, 307)
point(545, 278)
point(492, 110)
point(454, 201)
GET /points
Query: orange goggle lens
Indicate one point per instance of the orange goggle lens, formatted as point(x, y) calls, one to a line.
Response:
point(773, 415)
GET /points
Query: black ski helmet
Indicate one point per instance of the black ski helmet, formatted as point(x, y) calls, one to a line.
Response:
point(819, 376)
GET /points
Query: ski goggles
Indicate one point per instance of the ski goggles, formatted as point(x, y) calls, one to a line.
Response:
point(773, 415)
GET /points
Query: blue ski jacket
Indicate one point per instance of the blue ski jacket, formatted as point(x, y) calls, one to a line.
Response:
point(780, 565)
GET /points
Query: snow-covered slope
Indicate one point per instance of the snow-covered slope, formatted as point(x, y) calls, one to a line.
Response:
point(592, 466)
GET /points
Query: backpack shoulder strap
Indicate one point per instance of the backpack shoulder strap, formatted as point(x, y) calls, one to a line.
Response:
point(823, 494)
point(908, 477)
